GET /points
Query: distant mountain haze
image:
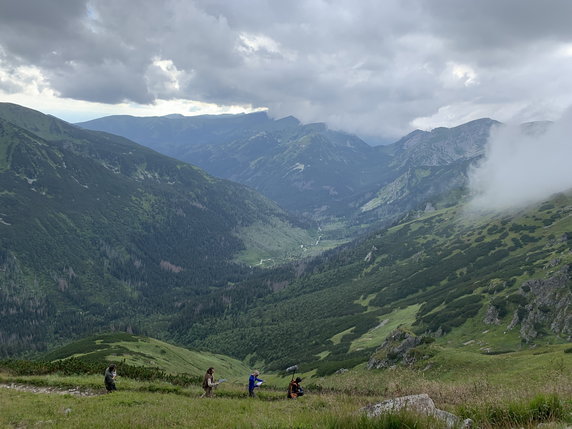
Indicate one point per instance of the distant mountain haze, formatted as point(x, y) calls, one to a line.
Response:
point(311, 170)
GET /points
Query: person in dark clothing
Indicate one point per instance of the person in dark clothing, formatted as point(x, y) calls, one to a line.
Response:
point(294, 389)
point(208, 383)
point(254, 382)
point(109, 380)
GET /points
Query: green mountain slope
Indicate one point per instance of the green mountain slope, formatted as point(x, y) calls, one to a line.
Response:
point(305, 168)
point(309, 169)
point(148, 352)
point(96, 230)
point(488, 283)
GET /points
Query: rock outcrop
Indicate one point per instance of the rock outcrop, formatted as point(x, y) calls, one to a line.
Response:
point(491, 316)
point(397, 347)
point(549, 306)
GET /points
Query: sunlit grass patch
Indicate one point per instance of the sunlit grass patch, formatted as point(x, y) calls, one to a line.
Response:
point(389, 322)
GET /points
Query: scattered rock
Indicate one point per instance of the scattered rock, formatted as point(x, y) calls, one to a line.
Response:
point(421, 404)
point(370, 255)
point(549, 304)
point(429, 208)
point(492, 316)
point(397, 347)
point(552, 263)
point(54, 390)
point(514, 321)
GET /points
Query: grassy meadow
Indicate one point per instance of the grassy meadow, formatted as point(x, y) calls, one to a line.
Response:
point(147, 352)
point(520, 389)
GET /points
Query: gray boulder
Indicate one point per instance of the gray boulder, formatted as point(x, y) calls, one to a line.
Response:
point(421, 404)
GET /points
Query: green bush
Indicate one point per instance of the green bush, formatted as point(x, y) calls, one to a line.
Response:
point(546, 407)
point(325, 367)
point(517, 298)
point(75, 366)
point(542, 408)
point(500, 304)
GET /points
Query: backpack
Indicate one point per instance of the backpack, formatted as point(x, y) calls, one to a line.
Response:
point(206, 381)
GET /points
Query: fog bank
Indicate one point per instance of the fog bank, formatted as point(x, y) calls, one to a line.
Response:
point(523, 165)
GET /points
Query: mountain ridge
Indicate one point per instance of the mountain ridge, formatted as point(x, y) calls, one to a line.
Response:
point(97, 230)
point(325, 175)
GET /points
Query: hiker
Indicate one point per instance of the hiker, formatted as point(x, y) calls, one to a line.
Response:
point(209, 383)
point(254, 382)
point(294, 388)
point(110, 374)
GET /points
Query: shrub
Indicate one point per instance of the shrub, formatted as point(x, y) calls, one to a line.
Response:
point(517, 298)
point(75, 366)
point(541, 408)
point(326, 367)
point(500, 304)
point(546, 206)
point(427, 339)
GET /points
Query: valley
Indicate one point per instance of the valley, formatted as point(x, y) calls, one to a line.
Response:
point(256, 214)
point(99, 231)
point(405, 289)
point(490, 284)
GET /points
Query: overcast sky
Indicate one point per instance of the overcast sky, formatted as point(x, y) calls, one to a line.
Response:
point(379, 67)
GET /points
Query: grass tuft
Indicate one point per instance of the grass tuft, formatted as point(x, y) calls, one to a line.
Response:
point(541, 409)
point(400, 420)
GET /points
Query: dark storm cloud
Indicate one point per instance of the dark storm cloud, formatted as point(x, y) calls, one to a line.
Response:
point(499, 25)
point(34, 30)
point(369, 66)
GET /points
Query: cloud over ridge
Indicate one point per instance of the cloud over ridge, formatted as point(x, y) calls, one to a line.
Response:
point(523, 164)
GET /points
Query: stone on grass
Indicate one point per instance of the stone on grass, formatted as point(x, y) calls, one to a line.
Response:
point(421, 404)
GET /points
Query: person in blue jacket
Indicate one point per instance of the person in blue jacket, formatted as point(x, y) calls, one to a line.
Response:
point(253, 382)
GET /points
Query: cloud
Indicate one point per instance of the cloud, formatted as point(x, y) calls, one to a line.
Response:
point(377, 68)
point(523, 165)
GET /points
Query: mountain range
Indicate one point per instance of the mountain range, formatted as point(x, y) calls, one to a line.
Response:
point(311, 170)
point(98, 233)
point(96, 230)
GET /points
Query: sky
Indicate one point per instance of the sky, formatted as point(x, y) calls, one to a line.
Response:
point(378, 68)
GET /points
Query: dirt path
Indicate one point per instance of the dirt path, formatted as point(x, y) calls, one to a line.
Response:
point(75, 391)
